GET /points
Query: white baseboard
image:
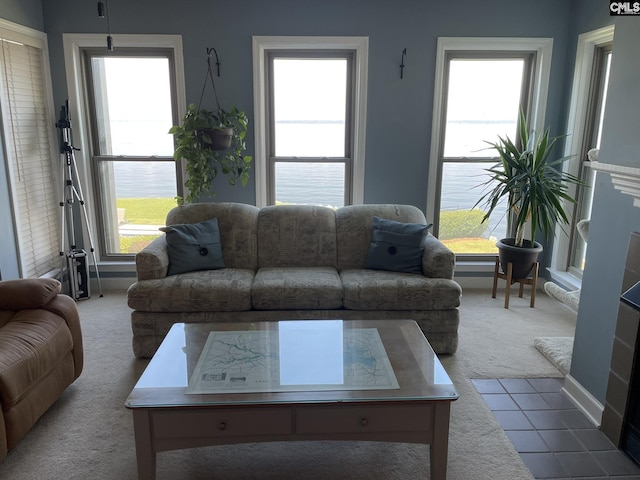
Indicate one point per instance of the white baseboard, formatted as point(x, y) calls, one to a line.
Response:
point(111, 283)
point(582, 399)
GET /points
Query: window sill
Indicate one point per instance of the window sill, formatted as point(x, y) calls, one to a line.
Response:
point(565, 279)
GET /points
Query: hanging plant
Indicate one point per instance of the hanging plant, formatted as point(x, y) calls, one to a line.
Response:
point(211, 143)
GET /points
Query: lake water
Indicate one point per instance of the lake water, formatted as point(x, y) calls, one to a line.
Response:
point(322, 183)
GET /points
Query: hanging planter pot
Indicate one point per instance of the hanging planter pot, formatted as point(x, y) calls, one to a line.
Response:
point(216, 138)
point(221, 138)
point(211, 143)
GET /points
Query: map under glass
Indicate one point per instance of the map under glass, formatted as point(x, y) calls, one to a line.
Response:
point(300, 357)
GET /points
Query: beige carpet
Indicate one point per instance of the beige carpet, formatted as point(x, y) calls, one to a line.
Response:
point(88, 434)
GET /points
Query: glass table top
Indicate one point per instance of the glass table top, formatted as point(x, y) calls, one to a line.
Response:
point(292, 361)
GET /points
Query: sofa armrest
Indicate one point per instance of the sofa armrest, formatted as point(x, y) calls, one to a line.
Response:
point(152, 262)
point(438, 261)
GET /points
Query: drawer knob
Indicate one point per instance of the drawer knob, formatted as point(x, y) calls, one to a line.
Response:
point(364, 422)
point(222, 426)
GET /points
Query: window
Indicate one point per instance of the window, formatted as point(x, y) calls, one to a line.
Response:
point(586, 112)
point(123, 104)
point(132, 152)
point(310, 107)
point(481, 87)
point(29, 125)
point(592, 134)
point(309, 120)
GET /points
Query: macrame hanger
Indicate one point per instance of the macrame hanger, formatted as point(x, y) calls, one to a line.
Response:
point(209, 76)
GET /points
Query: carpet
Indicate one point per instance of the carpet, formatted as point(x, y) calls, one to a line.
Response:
point(557, 350)
point(88, 433)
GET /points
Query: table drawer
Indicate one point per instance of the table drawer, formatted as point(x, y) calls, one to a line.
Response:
point(221, 422)
point(356, 419)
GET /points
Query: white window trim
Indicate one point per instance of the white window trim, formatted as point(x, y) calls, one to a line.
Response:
point(585, 54)
point(73, 44)
point(542, 46)
point(260, 45)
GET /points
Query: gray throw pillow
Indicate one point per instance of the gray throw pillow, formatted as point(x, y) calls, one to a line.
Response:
point(194, 247)
point(396, 246)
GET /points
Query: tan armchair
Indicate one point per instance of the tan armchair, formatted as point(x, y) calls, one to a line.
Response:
point(40, 353)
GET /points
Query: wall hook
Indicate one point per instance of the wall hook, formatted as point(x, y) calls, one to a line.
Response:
point(209, 50)
point(404, 52)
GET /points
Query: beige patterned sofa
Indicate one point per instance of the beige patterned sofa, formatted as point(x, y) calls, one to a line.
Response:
point(293, 262)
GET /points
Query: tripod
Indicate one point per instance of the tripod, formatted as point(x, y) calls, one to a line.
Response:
point(76, 259)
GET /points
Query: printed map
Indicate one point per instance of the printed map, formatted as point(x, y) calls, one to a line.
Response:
point(249, 361)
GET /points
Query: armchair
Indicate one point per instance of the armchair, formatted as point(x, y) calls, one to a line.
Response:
point(40, 353)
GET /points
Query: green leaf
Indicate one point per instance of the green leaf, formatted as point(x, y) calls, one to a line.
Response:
point(203, 164)
point(534, 185)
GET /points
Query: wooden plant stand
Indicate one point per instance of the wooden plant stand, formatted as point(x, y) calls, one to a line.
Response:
point(532, 280)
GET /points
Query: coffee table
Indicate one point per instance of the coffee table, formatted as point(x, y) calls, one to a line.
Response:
point(224, 383)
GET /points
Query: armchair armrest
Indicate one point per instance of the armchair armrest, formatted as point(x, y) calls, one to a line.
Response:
point(44, 293)
point(28, 293)
point(438, 261)
point(152, 262)
point(66, 307)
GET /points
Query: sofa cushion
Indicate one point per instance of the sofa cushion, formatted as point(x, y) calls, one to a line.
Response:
point(378, 289)
point(296, 236)
point(354, 229)
point(238, 224)
point(194, 246)
point(296, 287)
point(396, 246)
point(224, 290)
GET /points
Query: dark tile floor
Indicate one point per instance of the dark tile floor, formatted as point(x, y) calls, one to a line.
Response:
point(555, 440)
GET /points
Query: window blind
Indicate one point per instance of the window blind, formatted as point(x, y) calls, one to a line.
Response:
point(27, 133)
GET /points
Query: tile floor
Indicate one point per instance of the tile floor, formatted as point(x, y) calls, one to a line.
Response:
point(554, 439)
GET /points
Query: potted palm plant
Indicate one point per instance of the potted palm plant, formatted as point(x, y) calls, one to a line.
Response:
point(535, 189)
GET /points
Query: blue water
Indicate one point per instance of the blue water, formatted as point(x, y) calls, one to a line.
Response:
point(323, 183)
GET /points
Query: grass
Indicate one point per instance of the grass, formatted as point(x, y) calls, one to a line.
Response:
point(153, 211)
point(471, 245)
point(146, 211)
point(143, 211)
point(133, 244)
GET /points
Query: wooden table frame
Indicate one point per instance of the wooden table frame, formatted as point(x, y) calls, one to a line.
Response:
point(164, 429)
point(165, 418)
point(533, 281)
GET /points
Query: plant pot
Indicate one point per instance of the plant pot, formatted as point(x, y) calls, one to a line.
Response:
point(522, 258)
point(216, 138)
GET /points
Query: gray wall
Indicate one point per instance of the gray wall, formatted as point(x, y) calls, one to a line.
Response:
point(613, 217)
point(399, 111)
point(24, 12)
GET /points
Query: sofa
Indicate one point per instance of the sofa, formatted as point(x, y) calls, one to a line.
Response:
point(40, 353)
point(292, 262)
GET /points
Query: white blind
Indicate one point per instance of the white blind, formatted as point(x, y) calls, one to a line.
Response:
point(27, 133)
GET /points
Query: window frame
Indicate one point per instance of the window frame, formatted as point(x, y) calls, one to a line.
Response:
point(74, 46)
point(588, 44)
point(99, 161)
point(448, 47)
point(264, 45)
point(272, 158)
